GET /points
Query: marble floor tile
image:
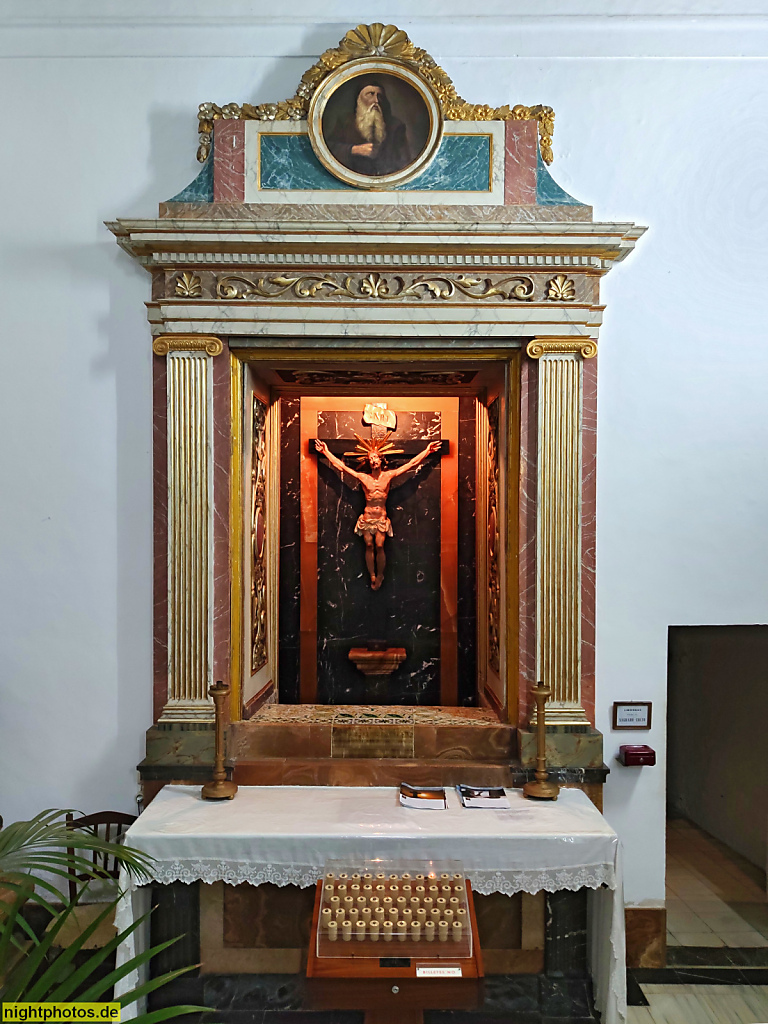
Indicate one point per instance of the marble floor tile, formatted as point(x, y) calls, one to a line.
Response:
point(679, 921)
point(754, 914)
point(731, 1006)
point(749, 939)
point(639, 1015)
point(702, 1004)
point(724, 919)
point(707, 938)
point(704, 907)
point(714, 896)
point(756, 997)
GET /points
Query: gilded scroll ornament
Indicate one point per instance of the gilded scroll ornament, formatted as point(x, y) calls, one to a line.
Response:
point(188, 285)
point(561, 289)
point(375, 286)
point(375, 40)
point(585, 347)
point(187, 343)
point(259, 537)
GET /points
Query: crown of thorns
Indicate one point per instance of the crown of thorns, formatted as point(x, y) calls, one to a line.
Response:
point(380, 445)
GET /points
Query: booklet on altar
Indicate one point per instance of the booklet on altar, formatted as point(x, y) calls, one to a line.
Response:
point(490, 796)
point(427, 798)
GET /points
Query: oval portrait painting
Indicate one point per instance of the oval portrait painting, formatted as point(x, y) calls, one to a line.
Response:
point(374, 123)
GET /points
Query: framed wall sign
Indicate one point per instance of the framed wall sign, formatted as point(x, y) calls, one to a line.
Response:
point(632, 714)
point(374, 123)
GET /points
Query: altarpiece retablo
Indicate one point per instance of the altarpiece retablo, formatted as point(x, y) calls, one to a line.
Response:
point(377, 588)
point(375, 321)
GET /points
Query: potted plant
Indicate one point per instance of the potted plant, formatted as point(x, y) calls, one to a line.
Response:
point(33, 855)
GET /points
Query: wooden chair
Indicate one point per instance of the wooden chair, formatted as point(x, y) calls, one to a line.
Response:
point(111, 826)
point(108, 825)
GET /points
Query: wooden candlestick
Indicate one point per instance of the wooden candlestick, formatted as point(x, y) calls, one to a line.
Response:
point(219, 788)
point(541, 788)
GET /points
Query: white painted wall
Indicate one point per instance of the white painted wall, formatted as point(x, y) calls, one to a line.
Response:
point(661, 119)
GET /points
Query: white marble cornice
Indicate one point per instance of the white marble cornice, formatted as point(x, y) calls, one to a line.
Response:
point(166, 243)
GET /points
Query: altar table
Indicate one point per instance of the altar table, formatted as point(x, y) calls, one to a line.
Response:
point(285, 834)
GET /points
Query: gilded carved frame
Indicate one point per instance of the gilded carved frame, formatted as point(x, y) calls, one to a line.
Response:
point(383, 69)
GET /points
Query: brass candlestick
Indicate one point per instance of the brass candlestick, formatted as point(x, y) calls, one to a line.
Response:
point(219, 788)
point(541, 788)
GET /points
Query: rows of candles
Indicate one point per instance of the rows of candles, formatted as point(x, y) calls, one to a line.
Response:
point(393, 907)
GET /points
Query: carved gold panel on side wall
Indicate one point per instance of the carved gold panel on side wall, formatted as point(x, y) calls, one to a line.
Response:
point(259, 611)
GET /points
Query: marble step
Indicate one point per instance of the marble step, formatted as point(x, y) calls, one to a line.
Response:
point(480, 739)
point(327, 771)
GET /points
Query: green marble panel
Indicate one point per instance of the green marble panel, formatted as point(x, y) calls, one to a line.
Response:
point(200, 190)
point(462, 164)
point(548, 192)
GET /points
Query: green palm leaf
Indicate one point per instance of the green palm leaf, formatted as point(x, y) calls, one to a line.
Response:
point(32, 855)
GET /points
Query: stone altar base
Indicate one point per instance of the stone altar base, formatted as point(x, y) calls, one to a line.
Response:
point(314, 744)
point(367, 745)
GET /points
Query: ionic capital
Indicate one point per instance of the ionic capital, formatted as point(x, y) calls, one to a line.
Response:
point(207, 343)
point(585, 347)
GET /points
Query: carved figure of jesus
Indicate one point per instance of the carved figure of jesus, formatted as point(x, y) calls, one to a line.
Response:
point(374, 525)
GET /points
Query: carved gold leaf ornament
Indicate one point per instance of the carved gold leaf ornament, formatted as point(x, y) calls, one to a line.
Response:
point(189, 285)
point(375, 286)
point(375, 40)
point(561, 289)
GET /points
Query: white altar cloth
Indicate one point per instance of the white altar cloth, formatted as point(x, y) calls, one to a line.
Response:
point(285, 834)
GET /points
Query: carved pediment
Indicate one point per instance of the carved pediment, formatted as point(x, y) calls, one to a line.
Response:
point(375, 41)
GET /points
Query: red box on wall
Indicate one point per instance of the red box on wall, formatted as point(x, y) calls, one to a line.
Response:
point(636, 754)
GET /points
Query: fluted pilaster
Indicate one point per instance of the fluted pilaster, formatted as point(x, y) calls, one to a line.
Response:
point(558, 527)
point(189, 390)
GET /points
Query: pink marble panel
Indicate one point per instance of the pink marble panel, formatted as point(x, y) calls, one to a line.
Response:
point(222, 435)
point(588, 509)
point(527, 534)
point(521, 142)
point(229, 161)
point(160, 538)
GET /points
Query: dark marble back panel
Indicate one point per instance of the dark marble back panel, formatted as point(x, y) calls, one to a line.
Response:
point(406, 611)
point(290, 527)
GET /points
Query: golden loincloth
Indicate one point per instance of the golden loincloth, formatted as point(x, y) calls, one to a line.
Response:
point(373, 521)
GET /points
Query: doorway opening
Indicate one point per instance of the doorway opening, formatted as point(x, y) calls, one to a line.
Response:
point(717, 795)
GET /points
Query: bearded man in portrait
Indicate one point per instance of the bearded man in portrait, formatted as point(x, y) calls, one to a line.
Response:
point(369, 139)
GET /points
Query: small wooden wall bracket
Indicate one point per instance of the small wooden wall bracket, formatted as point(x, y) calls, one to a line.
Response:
point(219, 788)
point(541, 788)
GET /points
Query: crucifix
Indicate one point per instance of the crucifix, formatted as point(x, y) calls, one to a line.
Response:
point(374, 525)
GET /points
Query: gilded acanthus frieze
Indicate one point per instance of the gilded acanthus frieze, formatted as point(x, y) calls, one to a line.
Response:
point(375, 40)
point(374, 286)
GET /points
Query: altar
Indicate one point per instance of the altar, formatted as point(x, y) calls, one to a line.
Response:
point(375, 321)
point(286, 835)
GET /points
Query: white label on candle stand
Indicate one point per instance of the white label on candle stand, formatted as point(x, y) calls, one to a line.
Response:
point(430, 971)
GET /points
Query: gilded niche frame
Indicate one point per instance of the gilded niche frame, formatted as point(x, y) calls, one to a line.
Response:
point(411, 113)
point(507, 359)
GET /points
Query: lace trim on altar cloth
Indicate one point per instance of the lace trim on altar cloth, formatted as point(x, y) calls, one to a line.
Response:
point(591, 876)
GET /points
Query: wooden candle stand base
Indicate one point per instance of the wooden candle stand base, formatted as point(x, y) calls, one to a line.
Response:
point(389, 987)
